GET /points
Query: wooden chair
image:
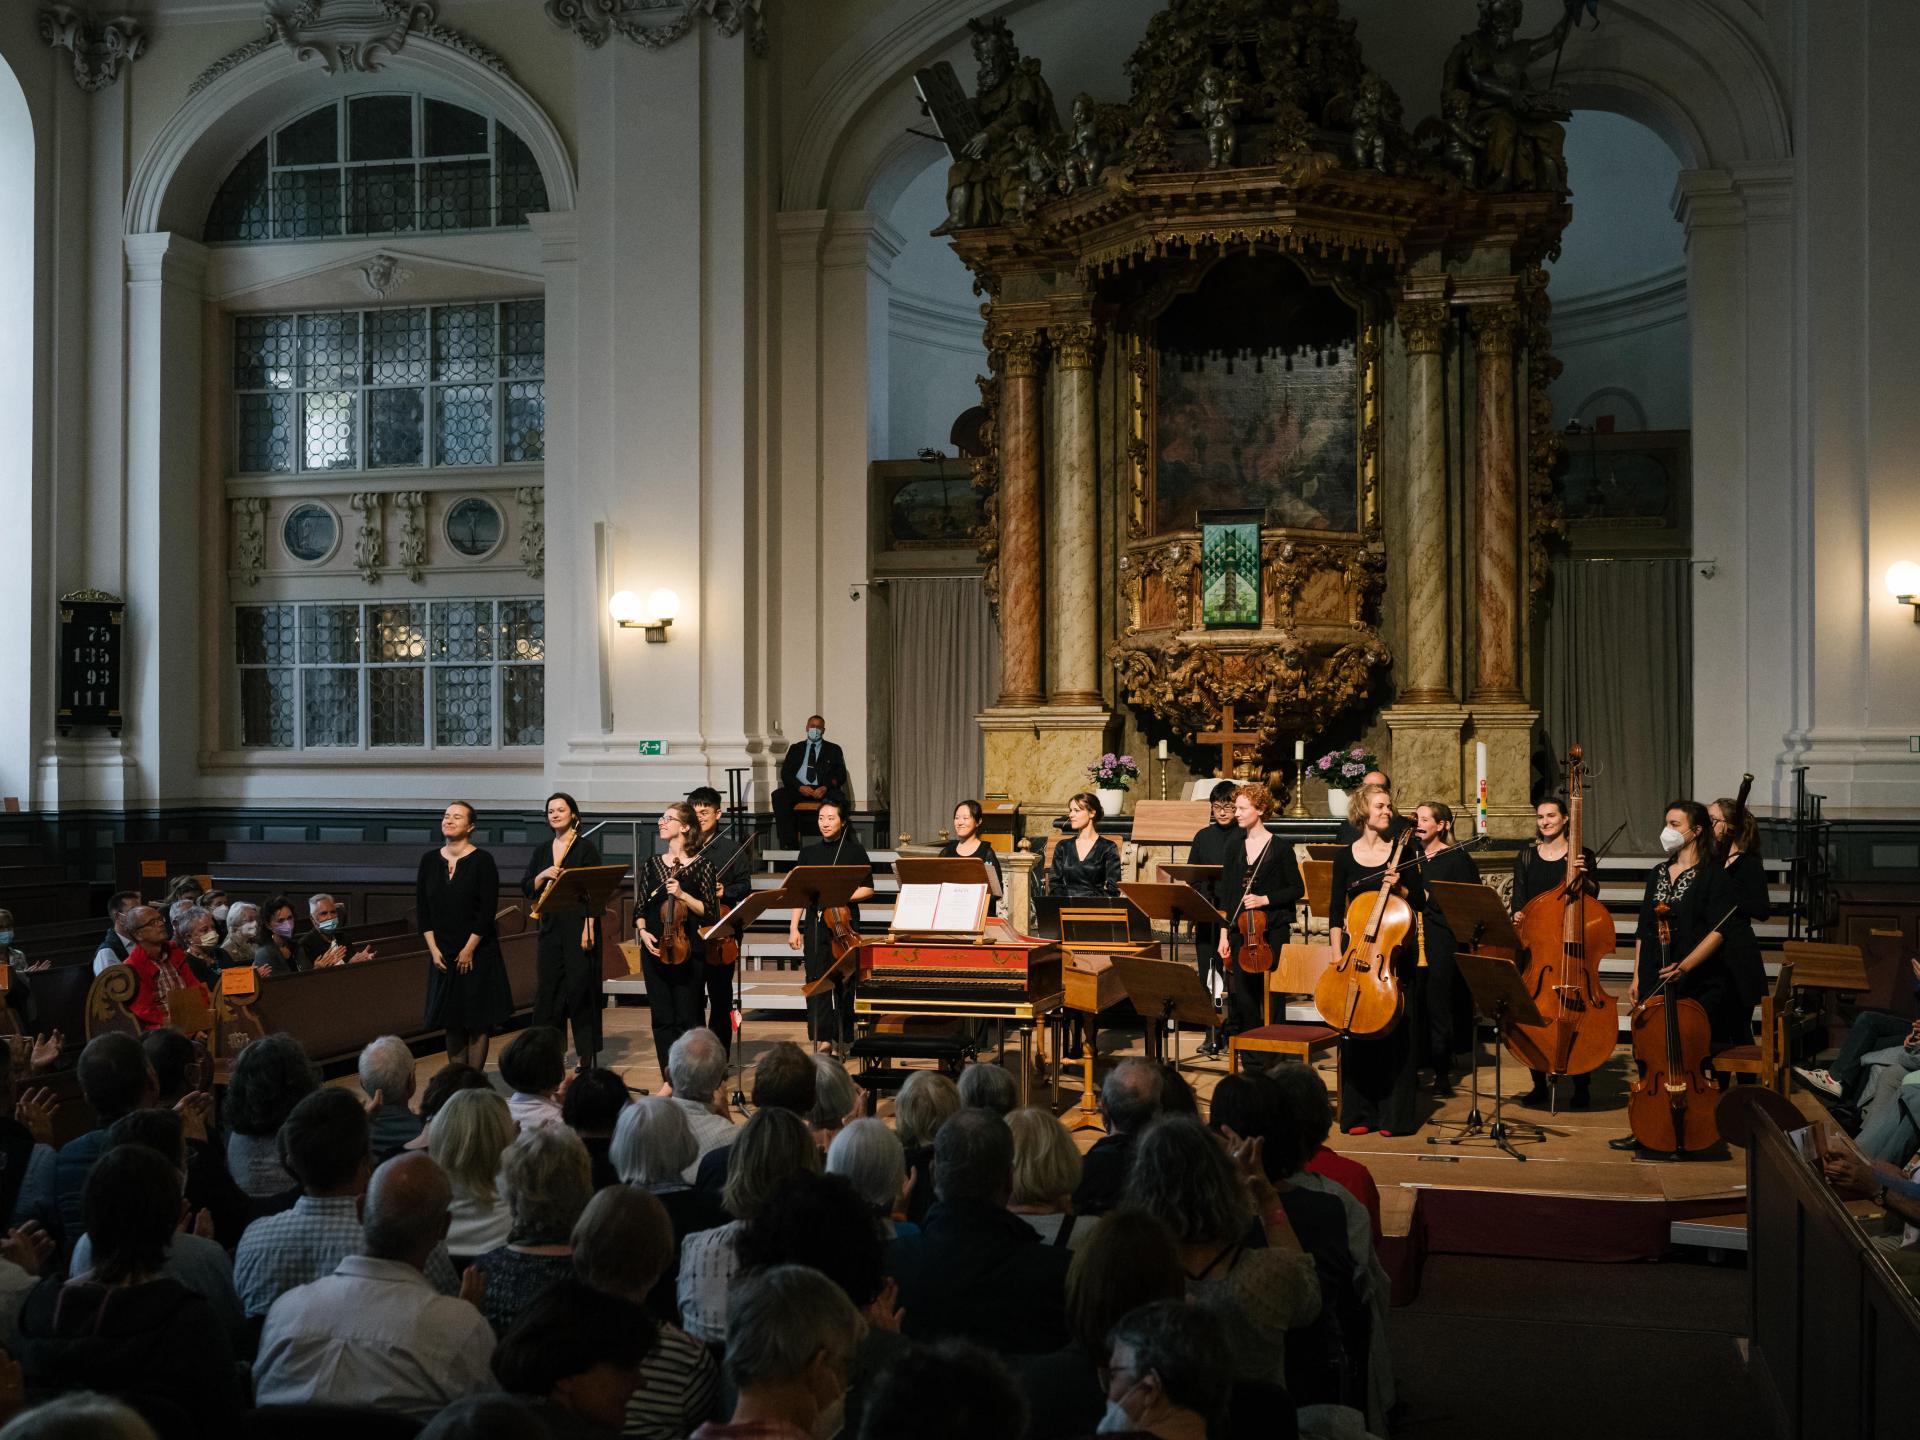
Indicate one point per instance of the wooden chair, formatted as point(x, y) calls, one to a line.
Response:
point(1833, 971)
point(1297, 972)
point(1767, 1058)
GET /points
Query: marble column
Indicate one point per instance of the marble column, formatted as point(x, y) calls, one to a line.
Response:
point(1073, 543)
point(1496, 667)
point(1021, 575)
point(1423, 327)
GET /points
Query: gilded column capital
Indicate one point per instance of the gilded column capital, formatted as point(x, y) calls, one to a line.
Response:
point(1019, 352)
point(1494, 327)
point(1423, 325)
point(1073, 345)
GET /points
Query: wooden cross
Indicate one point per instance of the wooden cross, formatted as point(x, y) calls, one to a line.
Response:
point(1229, 739)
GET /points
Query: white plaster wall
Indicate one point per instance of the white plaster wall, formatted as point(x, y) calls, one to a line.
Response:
point(934, 348)
point(18, 354)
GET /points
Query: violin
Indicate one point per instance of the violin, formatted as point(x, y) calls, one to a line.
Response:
point(676, 944)
point(842, 938)
point(1671, 1105)
point(1359, 994)
point(1256, 950)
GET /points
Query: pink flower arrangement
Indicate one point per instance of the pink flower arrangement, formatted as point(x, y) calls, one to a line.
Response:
point(1342, 769)
point(1113, 772)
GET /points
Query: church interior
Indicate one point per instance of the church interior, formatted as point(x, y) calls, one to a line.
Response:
point(1097, 561)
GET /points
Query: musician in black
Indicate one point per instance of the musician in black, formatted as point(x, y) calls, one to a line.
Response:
point(672, 953)
point(1541, 868)
point(1377, 1072)
point(732, 862)
point(1086, 865)
point(1258, 874)
point(1736, 836)
point(830, 1013)
point(1447, 1007)
point(1210, 845)
point(456, 894)
point(1355, 825)
point(968, 843)
point(567, 964)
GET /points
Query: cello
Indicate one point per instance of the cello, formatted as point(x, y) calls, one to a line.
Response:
point(1359, 994)
point(1671, 1104)
point(1567, 933)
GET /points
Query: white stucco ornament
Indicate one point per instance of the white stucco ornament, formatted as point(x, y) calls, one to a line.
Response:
point(347, 35)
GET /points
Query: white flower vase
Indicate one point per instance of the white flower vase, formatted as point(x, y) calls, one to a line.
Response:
point(1110, 801)
point(1336, 803)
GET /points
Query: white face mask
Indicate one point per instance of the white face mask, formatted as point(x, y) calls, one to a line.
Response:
point(1116, 1421)
point(1671, 840)
point(220, 913)
point(815, 733)
point(831, 1419)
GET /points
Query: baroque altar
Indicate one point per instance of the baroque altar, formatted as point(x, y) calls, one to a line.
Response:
point(1269, 369)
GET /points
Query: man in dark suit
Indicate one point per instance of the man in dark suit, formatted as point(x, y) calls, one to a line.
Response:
point(326, 944)
point(814, 769)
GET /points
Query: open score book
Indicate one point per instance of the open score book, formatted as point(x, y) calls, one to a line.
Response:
point(943, 909)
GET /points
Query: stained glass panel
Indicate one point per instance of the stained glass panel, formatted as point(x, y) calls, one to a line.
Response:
point(380, 127)
point(396, 706)
point(329, 349)
point(523, 339)
point(463, 425)
point(241, 208)
point(522, 190)
point(463, 630)
point(523, 630)
point(329, 634)
point(396, 633)
point(263, 352)
point(396, 347)
point(305, 203)
point(266, 434)
point(462, 705)
point(455, 195)
point(524, 429)
point(523, 705)
point(380, 199)
point(313, 139)
point(326, 422)
point(463, 342)
point(329, 708)
point(396, 428)
point(263, 634)
point(266, 709)
point(452, 130)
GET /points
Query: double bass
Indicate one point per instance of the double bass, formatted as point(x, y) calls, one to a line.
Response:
point(1566, 933)
point(1359, 993)
point(1671, 1104)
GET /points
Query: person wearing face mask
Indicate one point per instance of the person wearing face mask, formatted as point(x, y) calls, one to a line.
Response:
point(277, 954)
point(214, 902)
point(243, 935)
point(326, 944)
point(791, 1338)
point(199, 940)
point(814, 769)
point(1693, 886)
point(1166, 1374)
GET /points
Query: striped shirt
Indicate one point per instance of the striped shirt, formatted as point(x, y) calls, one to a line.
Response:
point(679, 1388)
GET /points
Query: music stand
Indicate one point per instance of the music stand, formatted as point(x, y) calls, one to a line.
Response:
point(1165, 991)
point(1171, 904)
point(947, 870)
point(1478, 918)
point(826, 887)
point(1498, 991)
point(584, 887)
point(1188, 874)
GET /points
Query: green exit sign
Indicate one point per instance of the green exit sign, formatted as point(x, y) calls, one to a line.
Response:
point(653, 747)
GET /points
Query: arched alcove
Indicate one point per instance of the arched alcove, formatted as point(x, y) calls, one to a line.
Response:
point(17, 372)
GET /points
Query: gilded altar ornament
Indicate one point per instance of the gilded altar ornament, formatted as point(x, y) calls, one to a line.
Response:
point(1375, 118)
point(1013, 109)
point(1214, 108)
point(1086, 152)
point(1513, 130)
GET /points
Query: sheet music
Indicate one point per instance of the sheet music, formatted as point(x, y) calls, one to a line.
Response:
point(944, 909)
point(914, 907)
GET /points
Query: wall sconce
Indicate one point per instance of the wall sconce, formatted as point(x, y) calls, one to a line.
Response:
point(1903, 583)
point(662, 605)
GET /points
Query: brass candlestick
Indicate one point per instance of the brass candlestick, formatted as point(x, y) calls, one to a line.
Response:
point(1298, 810)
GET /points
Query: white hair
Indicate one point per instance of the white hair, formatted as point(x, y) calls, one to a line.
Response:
point(697, 1064)
point(314, 901)
point(386, 1067)
point(872, 1160)
point(652, 1142)
point(78, 1415)
point(832, 1093)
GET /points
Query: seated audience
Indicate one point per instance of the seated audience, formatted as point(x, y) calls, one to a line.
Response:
point(115, 1078)
point(869, 1155)
point(836, 1099)
point(277, 954)
point(125, 1327)
point(1860, 1177)
point(467, 1139)
point(1166, 1374)
point(1183, 1177)
point(386, 1078)
point(193, 1256)
point(947, 1391)
point(119, 937)
point(546, 1180)
point(1306, 1092)
point(534, 1064)
point(624, 1245)
point(1176, 1095)
point(1046, 1172)
point(783, 1080)
point(376, 1331)
point(29, 1168)
point(650, 1149)
point(269, 1077)
point(791, 1338)
point(774, 1146)
point(78, 1415)
point(986, 1086)
point(697, 1072)
point(446, 1082)
point(976, 1271)
point(1890, 1104)
point(324, 1143)
point(1129, 1100)
point(1873, 1033)
point(576, 1353)
point(183, 1075)
point(160, 967)
point(326, 944)
point(487, 1417)
point(198, 939)
point(591, 1107)
point(242, 941)
point(926, 1101)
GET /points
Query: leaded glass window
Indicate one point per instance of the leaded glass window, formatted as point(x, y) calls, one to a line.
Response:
point(378, 165)
point(443, 675)
point(439, 386)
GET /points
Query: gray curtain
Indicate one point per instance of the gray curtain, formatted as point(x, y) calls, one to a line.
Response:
point(946, 669)
point(1619, 680)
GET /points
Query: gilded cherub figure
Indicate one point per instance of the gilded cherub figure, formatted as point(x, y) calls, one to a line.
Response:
point(1085, 157)
point(1214, 109)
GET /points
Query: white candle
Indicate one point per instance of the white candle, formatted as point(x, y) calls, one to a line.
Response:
point(1299, 749)
point(1163, 750)
point(1479, 765)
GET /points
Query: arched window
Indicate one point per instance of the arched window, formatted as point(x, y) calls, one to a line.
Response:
point(379, 165)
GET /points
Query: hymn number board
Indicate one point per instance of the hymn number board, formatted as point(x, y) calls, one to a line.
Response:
point(91, 624)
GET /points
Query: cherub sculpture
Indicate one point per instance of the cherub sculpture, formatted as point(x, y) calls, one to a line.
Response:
point(1085, 157)
point(1214, 109)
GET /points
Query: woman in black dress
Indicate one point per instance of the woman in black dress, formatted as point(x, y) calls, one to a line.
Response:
point(967, 843)
point(1257, 873)
point(567, 989)
point(1086, 865)
point(675, 987)
point(1539, 868)
point(1736, 835)
point(1377, 1071)
point(1447, 1007)
point(455, 895)
point(830, 1013)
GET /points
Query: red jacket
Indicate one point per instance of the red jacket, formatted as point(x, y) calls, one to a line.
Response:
point(149, 1004)
point(1352, 1177)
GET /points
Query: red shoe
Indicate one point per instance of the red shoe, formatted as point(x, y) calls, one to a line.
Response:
point(1359, 1129)
point(1386, 1134)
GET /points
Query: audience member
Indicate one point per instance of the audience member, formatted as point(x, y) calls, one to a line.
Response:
point(651, 1146)
point(242, 941)
point(1184, 1178)
point(534, 1064)
point(326, 944)
point(324, 1143)
point(774, 1145)
point(1176, 1095)
point(467, 1139)
point(624, 1245)
point(78, 1415)
point(269, 1077)
point(1046, 1172)
point(791, 1339)
point(576, 1352)
point(591, 1107)
point(376, 1331)
point(446, 1082)
point(836, 1099)
point(986, 1086)
point(114, 1078)
point(926, 1101)
point(193, 1256)
point(1129, 1100)
point(1166, 1374)
point(386, 1078)
point(869, 1155)
point(197, 938)
point(277, 954)
point(947, 1391)
point(27, 1252)
point(487, 1417)
point(1304, 1090)
point(160, 967)
point(125, 1327)
point(1873, 1032)
point(546, 1180)
point(29, 1169)
point(783, 1080)
point(119, 937)
point(183, 1069)
point(697, 1071)
point(977, 1271)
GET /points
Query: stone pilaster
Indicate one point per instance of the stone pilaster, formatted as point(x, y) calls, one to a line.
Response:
point(1021, 578)
point(1496, 668)
point(1423, 328)
point(1073, 619)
